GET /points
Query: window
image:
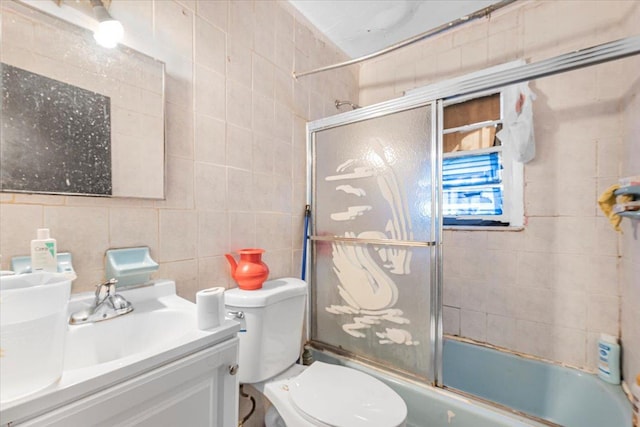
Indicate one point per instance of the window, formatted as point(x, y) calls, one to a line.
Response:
point(482, 184)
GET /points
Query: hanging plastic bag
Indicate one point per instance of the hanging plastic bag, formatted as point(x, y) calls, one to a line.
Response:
point(517, 128)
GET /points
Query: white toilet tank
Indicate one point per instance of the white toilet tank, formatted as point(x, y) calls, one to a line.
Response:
point(271, 333)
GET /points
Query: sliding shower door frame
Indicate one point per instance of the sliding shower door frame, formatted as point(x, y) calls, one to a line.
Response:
point(437, 282)
point(452, 89)
point(434, 246)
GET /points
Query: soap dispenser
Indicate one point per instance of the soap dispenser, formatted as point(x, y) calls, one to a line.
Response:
point(44, 252)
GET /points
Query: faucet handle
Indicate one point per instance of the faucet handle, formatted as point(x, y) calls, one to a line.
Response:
point(105, 289)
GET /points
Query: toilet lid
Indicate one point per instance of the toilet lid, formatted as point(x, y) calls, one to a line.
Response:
point(344, 397)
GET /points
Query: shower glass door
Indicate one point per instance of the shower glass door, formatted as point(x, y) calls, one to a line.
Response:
point(375, 238)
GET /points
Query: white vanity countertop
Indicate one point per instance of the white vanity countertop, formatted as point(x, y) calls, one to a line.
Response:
point(85, 373)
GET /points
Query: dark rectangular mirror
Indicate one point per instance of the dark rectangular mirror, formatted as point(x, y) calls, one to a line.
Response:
point(56, 137)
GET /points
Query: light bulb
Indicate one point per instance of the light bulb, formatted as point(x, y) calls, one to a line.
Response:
point(109, 33)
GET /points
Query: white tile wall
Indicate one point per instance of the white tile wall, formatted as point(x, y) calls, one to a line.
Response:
point(235, 172)
point(178, 235)
point(129, 227)
point(210, 140)
point(83, 231)
point(501, 331)
point(550, 289)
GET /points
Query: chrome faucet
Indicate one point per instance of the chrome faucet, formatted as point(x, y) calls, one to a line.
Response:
point(107, 305)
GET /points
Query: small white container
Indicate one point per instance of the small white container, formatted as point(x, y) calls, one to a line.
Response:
point(33, 327)
point(609, 359)
point(44, 252)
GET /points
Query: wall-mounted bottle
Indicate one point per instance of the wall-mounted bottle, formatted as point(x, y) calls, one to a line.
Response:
point(44, 252)
point(609, 359)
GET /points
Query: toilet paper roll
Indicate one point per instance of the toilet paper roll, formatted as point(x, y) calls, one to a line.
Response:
point(210, 307)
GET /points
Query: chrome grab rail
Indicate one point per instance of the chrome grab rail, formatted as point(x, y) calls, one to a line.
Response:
point(386, 242)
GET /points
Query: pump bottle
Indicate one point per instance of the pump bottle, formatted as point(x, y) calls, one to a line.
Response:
point(44, 252)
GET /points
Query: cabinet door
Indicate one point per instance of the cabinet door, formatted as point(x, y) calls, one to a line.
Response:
point(197, 390)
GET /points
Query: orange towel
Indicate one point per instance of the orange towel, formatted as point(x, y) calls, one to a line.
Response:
point(607, 201)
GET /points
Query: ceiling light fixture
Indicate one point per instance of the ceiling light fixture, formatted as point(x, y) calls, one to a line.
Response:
point(110, 31)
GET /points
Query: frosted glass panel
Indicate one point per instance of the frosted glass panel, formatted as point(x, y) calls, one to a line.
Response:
point(372, 182)
point(374, 176)
point(397, 335)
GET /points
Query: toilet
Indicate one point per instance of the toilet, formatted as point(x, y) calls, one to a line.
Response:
point(317, 395)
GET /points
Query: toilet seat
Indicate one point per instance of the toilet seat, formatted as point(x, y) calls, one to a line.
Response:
point(338, 396)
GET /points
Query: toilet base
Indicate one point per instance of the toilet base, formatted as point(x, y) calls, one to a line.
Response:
point(282, 413)
point(273, 419)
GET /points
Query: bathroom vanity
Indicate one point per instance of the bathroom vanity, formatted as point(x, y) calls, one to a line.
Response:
point(151, 367)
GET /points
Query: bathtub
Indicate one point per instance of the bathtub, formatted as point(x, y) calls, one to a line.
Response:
point(554, 394)
point(561, 395)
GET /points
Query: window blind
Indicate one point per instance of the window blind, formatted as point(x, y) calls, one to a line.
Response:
point(472, 185)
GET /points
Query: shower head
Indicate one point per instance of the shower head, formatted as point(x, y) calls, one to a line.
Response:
point(341, 103)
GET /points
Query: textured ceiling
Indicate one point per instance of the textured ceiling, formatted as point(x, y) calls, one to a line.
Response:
point(360, 27)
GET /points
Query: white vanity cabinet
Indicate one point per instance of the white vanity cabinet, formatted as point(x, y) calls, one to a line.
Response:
point(150, 367)
point(198, 390)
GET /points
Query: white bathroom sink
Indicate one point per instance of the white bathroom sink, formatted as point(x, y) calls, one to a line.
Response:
point(153, 325)
point(161, 329)
point(93, 344)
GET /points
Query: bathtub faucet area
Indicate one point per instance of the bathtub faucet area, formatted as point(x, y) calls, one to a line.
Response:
point(106, 305)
